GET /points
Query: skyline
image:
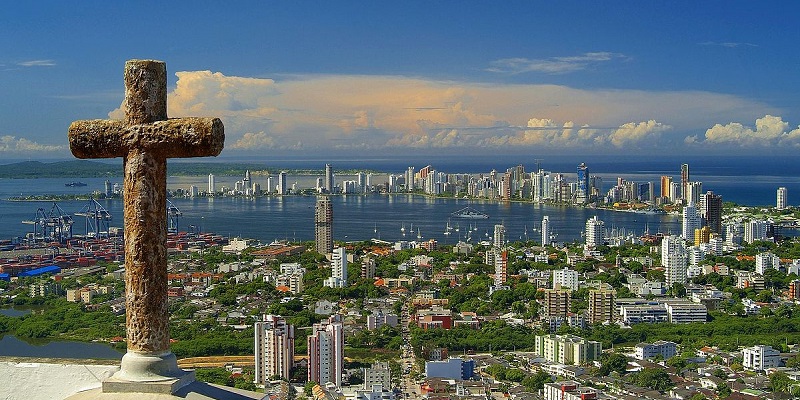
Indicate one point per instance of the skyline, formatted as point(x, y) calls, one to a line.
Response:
point(347, 78)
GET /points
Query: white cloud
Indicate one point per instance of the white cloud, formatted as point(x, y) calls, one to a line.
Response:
point(769, 131)
point(553, 65)
point(374, 112)
point(37, 63)
point(12, 144)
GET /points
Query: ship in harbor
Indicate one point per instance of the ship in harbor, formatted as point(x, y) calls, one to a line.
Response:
point(469, 213)
point(74, 184)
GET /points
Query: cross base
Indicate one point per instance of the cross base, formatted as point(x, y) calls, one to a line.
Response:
point(143, 372)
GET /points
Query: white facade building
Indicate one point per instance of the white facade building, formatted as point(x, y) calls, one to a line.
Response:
point(212, 185)
point(760, 358)
point(674, 259)
point(665, 349)
point(691, 221)
point(565, 279)
point(338, 277)
point(325, 352)
point(765, 261)
point(274, 348)
point(781, 198)
point(594, 232)
point(545, 231)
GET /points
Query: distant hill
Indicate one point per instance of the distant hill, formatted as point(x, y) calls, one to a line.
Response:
point(95, 169)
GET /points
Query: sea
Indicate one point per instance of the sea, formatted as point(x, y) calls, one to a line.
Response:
point(745, 180)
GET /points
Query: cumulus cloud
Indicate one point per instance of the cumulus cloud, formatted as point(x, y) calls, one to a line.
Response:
point(376, 112)
point(553, 65)
point(12, 144)
point(37, 63)
point(768, 131)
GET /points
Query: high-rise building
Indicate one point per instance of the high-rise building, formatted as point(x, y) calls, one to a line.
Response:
point(556, 302)
point(545, 231)
point(323, 225)
point(684, 180)
point(583, 184)
point(325, 352)
point(674, 259)
point(329, 184)
point(212, 185)
point(501, 269)
point(274, 348)
point(270, 185)
point(602, 307)
point(666, 186)
point(499, 239)
point(713, 211)
point(565, 279)
point(410, 179)
point(781, 198)
point(594, 232)
point(282, 189)
point(338, 277)
point(693, 193)
point(691, 221)
point(368, 266)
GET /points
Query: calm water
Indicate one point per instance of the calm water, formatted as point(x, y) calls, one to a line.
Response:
point(749, 181)
point(13, 347)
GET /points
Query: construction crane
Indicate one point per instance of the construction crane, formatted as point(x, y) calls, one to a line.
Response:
point(173, 214)
point(97, 219)
point(53, 225)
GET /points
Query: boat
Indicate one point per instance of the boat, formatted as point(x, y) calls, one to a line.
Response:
point(469, 213)
point(75, 184)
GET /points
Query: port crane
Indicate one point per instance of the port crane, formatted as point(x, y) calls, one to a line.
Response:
point(52, 225)
point(173, 214)
point(97, 219)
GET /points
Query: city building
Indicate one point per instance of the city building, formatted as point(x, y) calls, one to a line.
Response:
point(325, 352)
point(582, 192)
point(666, 187)
point(556, 303)
point(674, 259)
point(568, 390)
point(760, 358)
point(545, 231)
point(755, 230)
point(567, 349)
point(684, 181)
point(338, 277)
point(499, 238)
point(712, 212)
point(594, 232)
point(323, 225)
point(666, 350)
point(685, 312)
point(368, 266)
point(601, 305)
point(765, 261)
point(453, 368)
point(274, 348)
point(329, 182)
point(212, 185)
point(377, 374)
point(691, 221)
point(781, 198)
point(282, 189)
point(565, 279)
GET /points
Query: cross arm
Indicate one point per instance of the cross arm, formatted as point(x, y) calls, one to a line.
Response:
point(172, 138)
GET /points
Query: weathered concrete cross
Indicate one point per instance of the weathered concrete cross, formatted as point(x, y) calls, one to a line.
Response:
point(146, 138)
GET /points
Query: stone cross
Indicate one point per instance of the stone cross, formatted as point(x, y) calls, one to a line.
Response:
point(145, 139)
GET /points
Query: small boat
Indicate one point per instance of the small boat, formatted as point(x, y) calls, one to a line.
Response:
point(75, 184)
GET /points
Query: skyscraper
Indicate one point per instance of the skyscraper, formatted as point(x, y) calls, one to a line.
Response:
point(274, 348)
point(500, 269)
point(212, 186)
point(691, 221)
point(601, 305)
point(499, 238)
point(323, 225)
point(594, 232)
point(674, 259)
point(583, 183)
point(545, 231)
point(781, 198)
point(282, 189)
point(712, 213)
point(329, 179)
point(666, 186)
point(338, 277)
point(684, 180)
point(325, 352)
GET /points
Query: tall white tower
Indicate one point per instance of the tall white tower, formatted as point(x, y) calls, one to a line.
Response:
point(212, 185)
point(545, 231)
point(282, 183)
point(499, 236)
point(325, 352)
point(594, 232)
point(274, 348)
point(674, 259)
point(691, 221)
point(328, 178)
point(338, 277)
point(781, 200)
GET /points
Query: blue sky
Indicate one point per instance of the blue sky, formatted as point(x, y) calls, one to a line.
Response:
point(408, 77)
